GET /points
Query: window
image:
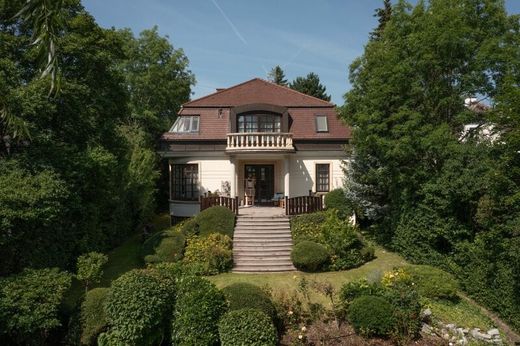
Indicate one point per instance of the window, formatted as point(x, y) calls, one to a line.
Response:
point(186, 124)
point(322, 177)
point(259, 123)
point(321, 123)
point(185, 182)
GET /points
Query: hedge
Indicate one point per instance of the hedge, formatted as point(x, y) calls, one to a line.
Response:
point(244, 295)
point(165, 246)
point(309, 256)
point(371, 315)
point(216, 220)
point(433, 282)
point(93, 319)
point(212, 254)
point(247, 327)
point(336, 199)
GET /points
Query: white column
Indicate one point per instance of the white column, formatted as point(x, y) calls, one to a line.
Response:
point(286, 165)
point(233, 175)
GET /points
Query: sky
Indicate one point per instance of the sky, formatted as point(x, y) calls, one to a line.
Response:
point(231, 41)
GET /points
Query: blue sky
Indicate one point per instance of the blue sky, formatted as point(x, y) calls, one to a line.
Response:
point(231, 41)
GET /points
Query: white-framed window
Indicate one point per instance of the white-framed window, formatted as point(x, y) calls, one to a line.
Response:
point(186, 124)
point(322, 124)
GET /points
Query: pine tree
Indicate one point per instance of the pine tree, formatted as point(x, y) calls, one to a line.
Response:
point(277, 76)
point(310, 85)
point(383, 16)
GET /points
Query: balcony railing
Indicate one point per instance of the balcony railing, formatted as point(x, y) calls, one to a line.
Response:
point(260, 141)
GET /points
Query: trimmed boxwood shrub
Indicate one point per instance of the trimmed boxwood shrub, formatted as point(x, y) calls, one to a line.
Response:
point(371, 315)
point(247, 327)
point(198, 309)
point(243, 295)
point(93, 320)
point(165, 246)
point(433, 282)
point(355, 289)
point(336, 199)
point(216, 220)
point(136, 308)
point(189, 227)
point(309, 256)
point(212, 254)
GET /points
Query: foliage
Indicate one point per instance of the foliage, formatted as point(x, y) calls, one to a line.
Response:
point(248, 296)
point(29, 304)
point(164, 246)
point(276, 75)
point(309, 256)
point(310, 85)
point(383, 16)
point(189, 227)
point(433, 283)
point(404, 299)
point(213, 253)
point(90, 268)
point(216, 220)
point(336, 199)
point(307, 227)
point(93, 319)
point(355, 289)
point(137, 307)
point(424, 189)
point(247, 327)
point(371, 315)
point(198, 309)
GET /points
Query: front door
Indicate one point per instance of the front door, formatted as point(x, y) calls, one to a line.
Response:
point(262, 178)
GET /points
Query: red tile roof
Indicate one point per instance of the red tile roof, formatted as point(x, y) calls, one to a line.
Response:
point(258, 91)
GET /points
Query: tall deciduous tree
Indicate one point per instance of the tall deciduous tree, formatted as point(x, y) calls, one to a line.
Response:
point(428, 194)
point(383, 16)
point(276, 75)
point(310, 85)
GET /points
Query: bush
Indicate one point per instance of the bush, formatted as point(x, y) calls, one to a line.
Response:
point(309, 256)
point(248, 296)
point(433, 282)
point(336, 199)
point(247, 327)
point(355, 289)
point(189, 227)
point(307, 227)
point(137, 306)
point(198, 309)
point(90, 268)
point(216, 220)
point(93, 320)
point(165, 246)
point(213, 253)
point(29, 304)
point(407, 309)
point(371, 315)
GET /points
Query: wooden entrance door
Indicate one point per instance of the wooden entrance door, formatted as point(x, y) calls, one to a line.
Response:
point(263, 177)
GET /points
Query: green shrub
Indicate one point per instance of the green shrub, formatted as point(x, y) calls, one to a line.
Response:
point(309, 256)
point(307, 227)
point(336, 199)
point(165, 246)
point(29, 304)
point(243, 295)
point(137, 306)
point(216, 220)
point(198, 309)
point(90, 268)
point(407, 309)
point(433, 282)
point(213, 253)
point(247, 327)
point(93, 320)
point(189, 227)
point(371, 315)
point(355, 289)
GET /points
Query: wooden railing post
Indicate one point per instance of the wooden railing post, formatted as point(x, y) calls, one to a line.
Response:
point(286, 204)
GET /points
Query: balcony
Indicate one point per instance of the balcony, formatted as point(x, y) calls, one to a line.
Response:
point(259, 141)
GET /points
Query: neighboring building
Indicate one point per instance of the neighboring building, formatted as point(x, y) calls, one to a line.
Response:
point(256, 140)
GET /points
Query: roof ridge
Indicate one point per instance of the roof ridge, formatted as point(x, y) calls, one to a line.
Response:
point(261, 80)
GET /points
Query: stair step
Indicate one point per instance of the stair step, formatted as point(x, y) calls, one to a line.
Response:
point(262, 233)
point(262, 252)
point(266, 247)
point(262, 243)
point(278, 227)
point(247, 269)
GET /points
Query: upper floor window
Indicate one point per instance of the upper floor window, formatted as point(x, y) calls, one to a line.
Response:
point(322, 124)
point(259, 122)
point(186, 124)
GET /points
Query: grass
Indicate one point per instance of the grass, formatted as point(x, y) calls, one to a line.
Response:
point(123, 258)
point(462, 313)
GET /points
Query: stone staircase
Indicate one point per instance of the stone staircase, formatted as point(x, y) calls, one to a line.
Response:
point(262, 244)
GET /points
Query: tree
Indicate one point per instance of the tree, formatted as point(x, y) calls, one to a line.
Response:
point(276, 75)
point(90, 268)
point(425, 193)
point(383, 16)
point(310, 85)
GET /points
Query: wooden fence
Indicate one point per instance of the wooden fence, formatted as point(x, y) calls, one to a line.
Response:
point(228, 202)
point(303, 205)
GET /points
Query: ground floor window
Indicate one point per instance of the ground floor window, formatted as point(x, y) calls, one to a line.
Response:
point(322, 177)
point(185, 182)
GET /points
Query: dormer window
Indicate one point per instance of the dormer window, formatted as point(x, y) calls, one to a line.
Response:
point(258, 122)
point(321, 123)
point(186, 124)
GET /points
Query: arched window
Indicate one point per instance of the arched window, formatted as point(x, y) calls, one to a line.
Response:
point(259, 122)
